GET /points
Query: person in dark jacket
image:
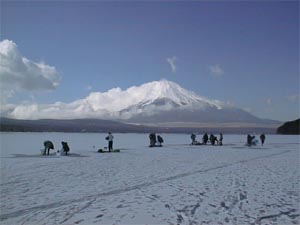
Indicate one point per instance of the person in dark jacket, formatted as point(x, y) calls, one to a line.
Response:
point(48, 145)
point(160, 140)
point(213, 139)
point(152, 138)
point(193, 137)
point(262, 139)
point(205, 138)
point(250, 140)
point(110, 138)
point(65, 147)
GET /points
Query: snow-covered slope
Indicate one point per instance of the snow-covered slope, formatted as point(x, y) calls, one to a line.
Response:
point(166, 101)
point(152, 92)
point(163, 96)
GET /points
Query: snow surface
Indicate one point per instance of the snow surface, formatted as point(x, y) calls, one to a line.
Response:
point(175, 184)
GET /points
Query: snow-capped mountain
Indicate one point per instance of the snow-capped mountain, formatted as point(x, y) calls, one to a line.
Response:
point(153, 102)
point(152, 92)
point(166, 101)
point(164, 96)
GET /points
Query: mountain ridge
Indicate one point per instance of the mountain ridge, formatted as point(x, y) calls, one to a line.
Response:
point(103, 126)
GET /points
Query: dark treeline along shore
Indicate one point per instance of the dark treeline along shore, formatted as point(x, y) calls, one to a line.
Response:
point(290, 127)
point(99, 125)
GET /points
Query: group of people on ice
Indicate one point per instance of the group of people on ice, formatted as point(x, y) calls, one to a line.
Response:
point(65, 147)
point(153, 140)
point(49, 145)
point(251, 141)
point(212, 139)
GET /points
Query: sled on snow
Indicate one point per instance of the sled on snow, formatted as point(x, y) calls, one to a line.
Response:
point(106, 151)
point(207, 144)
point(154, 146)
point(197, 143)
point(253, 143)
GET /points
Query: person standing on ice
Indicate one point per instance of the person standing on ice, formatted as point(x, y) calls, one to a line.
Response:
point(110, 138)
point(193, 137)
point(205, 138)
point(249, 140)
point(221, 139)
point(262, 139)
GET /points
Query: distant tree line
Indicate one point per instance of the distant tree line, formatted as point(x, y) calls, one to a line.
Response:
point(291, 127)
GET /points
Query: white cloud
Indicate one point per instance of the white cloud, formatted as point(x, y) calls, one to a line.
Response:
point(172, 62)
point(293, 98)
point(89, 88)
point(248, 109)
point(216, 70)
point(95, 105)
point(269, 101)
point(18, 73)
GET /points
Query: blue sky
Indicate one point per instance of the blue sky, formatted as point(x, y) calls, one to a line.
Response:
point(244, 53)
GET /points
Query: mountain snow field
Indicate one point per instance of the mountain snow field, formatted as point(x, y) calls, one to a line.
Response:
point(175, 184)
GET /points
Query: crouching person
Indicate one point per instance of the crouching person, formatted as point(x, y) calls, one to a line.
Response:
point(160, 140)
point(152, 138)
point(48, 145)
point(250, 140)
point(65, 147)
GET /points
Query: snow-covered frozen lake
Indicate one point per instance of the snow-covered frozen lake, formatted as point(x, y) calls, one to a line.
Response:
point(176, 184)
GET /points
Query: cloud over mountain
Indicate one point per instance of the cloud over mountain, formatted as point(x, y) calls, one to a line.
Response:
point(172, 62)
point(216, 70)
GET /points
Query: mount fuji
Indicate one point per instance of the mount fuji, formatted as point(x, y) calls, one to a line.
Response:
point(159, 103)
point(164, 97)
point(166, 102)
